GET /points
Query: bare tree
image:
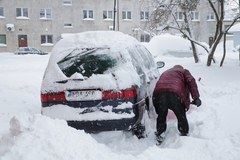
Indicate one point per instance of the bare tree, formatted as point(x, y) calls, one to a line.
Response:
point(235, 4)
point(219, 14)
point(164, 18)
point(224, 39)
point(166, 9)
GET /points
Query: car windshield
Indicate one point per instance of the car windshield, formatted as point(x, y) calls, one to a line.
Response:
point(87, 61)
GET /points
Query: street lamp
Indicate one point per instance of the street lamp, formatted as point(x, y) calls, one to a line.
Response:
point(114, 14)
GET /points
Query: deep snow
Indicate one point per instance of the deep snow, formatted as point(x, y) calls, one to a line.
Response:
point(214, 130)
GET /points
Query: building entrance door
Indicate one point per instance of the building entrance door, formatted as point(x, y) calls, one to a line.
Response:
point(22, 41)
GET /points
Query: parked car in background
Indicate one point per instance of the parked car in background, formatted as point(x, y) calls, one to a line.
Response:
point(29, 50)
point(99, 81)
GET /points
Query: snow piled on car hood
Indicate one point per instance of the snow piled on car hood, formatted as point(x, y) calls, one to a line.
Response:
point(116, 41)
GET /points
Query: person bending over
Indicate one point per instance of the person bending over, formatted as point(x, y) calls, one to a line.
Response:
point(172, 91)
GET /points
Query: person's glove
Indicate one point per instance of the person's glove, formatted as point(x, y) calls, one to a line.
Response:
point(197, 102)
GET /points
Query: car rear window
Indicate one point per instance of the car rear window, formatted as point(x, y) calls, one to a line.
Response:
point(87, 61)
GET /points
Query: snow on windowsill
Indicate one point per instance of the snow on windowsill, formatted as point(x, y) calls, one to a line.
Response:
point(88, 19)
point(211, 20)
point(108, 19)
point(44, 18)
point(195, 20)
point(145, 20)
point(127, 20)
point(21, 17)
point(2, 17)
point(67, 4)
point(68, 26)
point(3, 45)
point(47, 44)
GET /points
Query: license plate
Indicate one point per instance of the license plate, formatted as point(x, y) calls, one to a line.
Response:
point(86, 95)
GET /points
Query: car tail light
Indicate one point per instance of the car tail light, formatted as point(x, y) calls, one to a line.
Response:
point(123, 94)
point(53, 97)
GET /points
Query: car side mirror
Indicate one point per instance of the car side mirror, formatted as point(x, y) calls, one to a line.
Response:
point(160, 64)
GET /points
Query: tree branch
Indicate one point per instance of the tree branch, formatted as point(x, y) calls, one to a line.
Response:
point(214, 9)
point(189, 38)
point(233, 22)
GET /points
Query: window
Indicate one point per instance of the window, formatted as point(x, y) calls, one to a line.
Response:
point(179, 16)
point(46, 39)
point(87, 14)
point(195, 16)
point(211, 16)
point(67, 2)
point(145, 38)
point(68, 25)
point(45, 13)
point(22, 12)
point(108, 15)
point(3, 40)
point(144, 15)
point(91, 61)
point(126, 15)
point(1, 12)
point(146, 56)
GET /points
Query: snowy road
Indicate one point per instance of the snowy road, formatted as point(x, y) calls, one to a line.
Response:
point(25, 134)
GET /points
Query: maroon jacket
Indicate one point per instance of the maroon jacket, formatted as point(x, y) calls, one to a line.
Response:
point(180, 81)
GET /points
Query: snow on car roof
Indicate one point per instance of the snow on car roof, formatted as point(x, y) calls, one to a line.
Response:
point(93, 39)
point(117, 42)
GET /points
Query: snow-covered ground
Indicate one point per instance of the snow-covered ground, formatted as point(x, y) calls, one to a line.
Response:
point(214, 130)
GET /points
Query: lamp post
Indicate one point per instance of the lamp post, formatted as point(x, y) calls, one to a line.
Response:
point(114, 14)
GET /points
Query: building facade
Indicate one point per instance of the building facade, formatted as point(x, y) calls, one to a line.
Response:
point(40, 24)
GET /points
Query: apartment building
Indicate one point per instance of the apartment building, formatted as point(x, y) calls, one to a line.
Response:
point(41, 23)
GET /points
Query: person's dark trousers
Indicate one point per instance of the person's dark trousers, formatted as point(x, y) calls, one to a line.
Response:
point(168, 100)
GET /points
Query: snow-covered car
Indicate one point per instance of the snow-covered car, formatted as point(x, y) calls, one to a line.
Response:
point(29, 50)
point(99, 81)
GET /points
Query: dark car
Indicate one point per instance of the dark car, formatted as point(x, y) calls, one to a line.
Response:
point(99, 81)
point(29, 50)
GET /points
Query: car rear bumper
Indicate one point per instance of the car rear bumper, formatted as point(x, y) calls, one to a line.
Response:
point(103, 125)
point(96, 121)
point(110, 116)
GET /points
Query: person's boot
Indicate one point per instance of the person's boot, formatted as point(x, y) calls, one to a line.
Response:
point(183, 134)
point(159, 137)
